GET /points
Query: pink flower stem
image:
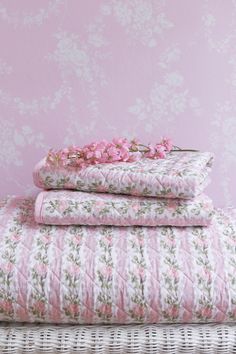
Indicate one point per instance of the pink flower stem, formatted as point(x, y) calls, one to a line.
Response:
point(178, 149)
point(106, 152)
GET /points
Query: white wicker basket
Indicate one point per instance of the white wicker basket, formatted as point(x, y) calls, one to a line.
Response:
point(145, 339)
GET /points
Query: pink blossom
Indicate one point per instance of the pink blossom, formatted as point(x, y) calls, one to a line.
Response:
point(90, 154)
point(138, 311)
point(107, 271)
point(206, 312)
point(6, 306)
point(141, 241)
point(15, 237)
point(202, 242)
point(63, 205)
point(170, 242)
point(39, 306)
point(121, 143)
point(113, 154)
point(106, 309)
point(160, 151)
point(45, 238)
point(172, 204)
point(135, 156)
point(141, 272)
point(125, 154)
point(73, 309)
point(74, 269)
point(41, 268)
point(109, 241)
point(102, 144)
point(134, 144)
point(167, 143)
point(8, 267)
point(77, 240)
point(136, 207)
point(151, 152)
point(173, 273)
point(97, 154)
point(100, 204)
point(120, 149)
point(173, 311)
point(135, 192)
point(101, 189)
point(207, 274)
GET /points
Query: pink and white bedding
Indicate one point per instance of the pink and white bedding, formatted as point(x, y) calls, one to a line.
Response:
point(105, 274)
point(179, 175)
point(82, 208)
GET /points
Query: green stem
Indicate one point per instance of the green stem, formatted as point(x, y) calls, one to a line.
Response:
point(181, 150)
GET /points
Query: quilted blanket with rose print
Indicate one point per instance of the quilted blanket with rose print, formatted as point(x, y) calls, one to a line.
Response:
point(82, 208)
point(179, 175)
point(105, 274)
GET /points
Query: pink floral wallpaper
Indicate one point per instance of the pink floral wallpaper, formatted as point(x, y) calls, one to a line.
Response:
point(73, 71)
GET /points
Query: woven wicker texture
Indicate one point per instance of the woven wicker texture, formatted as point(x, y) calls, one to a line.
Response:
point(145, 339)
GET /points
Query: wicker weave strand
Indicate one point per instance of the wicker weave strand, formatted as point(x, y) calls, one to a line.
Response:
point(139, 339)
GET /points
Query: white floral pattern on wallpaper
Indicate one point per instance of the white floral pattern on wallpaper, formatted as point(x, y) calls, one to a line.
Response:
point(171, 55)
point(219, 41)
point(39, 105)
point(221, 37)
point(94, 49)
point(167, 99)
point(13, 140)
point(43, 104)
point(79, 59)
point(144, 20)
point(29, 18)
point(223, 135)
point(5, 69)
point(220, 34)
point(72, 56)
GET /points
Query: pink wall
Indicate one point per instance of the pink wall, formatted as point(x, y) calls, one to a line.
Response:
point(72, 71)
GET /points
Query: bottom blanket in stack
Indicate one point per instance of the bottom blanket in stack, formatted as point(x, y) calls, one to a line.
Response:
point(116, 339)
point(105, 274)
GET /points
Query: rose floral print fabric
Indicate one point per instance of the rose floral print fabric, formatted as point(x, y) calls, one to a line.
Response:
point(105, 274)
point(82, 208)
point(179, 175)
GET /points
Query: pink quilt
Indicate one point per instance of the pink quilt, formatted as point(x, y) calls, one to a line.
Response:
point(104, 274)
point(179, 175)
point(82, 208)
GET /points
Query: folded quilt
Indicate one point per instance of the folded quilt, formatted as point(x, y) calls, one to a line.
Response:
point(179, 175)
point(105, 274)
point(82, 208)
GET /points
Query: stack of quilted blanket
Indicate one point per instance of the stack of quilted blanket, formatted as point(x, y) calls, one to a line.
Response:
point(145, 193)
point(124, 243)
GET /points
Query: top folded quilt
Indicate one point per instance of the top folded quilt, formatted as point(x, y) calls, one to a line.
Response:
point(179, 175)
point(105, 274)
